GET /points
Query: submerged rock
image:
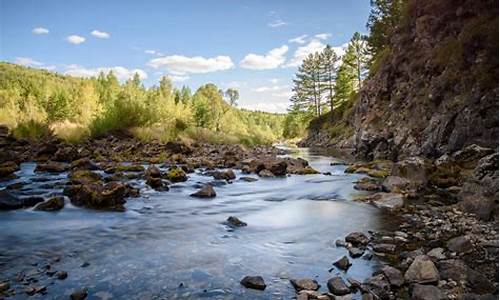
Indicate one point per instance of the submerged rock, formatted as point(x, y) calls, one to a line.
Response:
point(205, 192)
point(253, 282)
point(235, 222)
point(176, 175)
point(9, 202)
point(53, 204)
point(79, 294)
point(224, 175)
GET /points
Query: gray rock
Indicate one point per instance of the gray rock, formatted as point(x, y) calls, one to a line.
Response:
point(437, 253)
point(343, 263)
point(393, 275)
point(384, 248)
point(389, 201)
point(460, 244)
point(337, 286)
point(305, 284)
point(422, 270)
point(205, 192)
point(355, 252)
point(426, 292)
point(253, 282)
point(395, 184)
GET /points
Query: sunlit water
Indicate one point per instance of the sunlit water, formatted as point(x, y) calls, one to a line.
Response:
point(168, 245)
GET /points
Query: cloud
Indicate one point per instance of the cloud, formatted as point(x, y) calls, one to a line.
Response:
point(269, 106)
point(299, 40)
point(181, 65)
point(302, 52)
point(99, 34)
point(150, 51)
point(121, 73)
point(274, 80)
point(27, 61)
point(178, 78)
point(273, 59)
point(323, 36)
point(40, 30)
point(285, 94)
point(75, 39)
point(264, 89)
point(277, 23)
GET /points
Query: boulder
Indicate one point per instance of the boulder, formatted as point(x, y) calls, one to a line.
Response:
point(84, 177)
point(389, 201)
point(53, 204)
point(415, 170)
point(9, 202)
point(66, 154)
point(460, 244)
point(176, 175)
point(153, 171)
point(178, 148)
point(395, 184)
point(205, 192)
point(305, 284)
point(379, 285)
point(337, 286)
point(422, 270)
point(393, 275)
point(478, 205)
point(98, 196)
point(52, 167)
point(266, 173)
point(79, 294)
point(384, 248)
point(84, 164)
point(355, 252)
point(8, 168)
point(235, 222)
point(426, 292)
point(458, 271)
point(357, 239)
point(224, 175)
point(253, 282)
point(157, 184)
point(343, 263)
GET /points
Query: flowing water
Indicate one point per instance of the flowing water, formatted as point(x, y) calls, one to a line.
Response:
point(167, 245)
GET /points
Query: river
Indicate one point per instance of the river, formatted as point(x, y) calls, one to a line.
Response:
point(167, 245)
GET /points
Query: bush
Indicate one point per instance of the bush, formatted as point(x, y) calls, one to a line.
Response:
point(32, 130)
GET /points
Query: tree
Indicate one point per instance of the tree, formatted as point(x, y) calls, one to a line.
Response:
point(329, 62)
point(307, 84)
point(383, 19)
point(357, 58)
point(233, 96)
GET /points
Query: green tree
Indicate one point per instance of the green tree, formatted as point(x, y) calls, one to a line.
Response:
point(233, 95)
point(308, 85)
point(357, 58)
point(329, 62)
point(383, 19)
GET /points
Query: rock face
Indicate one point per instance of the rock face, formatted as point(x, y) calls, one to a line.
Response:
point(413, 107)
point(253, 282)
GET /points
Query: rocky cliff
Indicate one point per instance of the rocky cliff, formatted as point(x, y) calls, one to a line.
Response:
point(433, 91)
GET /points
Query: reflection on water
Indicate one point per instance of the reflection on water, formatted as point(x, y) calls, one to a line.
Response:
point(168, 245)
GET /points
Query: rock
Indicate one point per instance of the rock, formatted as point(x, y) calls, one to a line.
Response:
point(277, 167)
point(337, 286)
point(84, 164)
point(52, 167)
point(157, 184)
point(389, 201)
point(425, 292)
point(248, 179)
point(437, 253)
point(395, 184)
point(9, 202)
point(153, 171)
point(253, 282)
point(341, 243)
point(355, 252)
point(4, 286)
point(357, 239)
point(130, 168)
point(8, 168)
point(224, 175)
point(470, 154)
point(478, 205)
point(176, 175)
point(266, 173)
point(384, 248)
point(343, 263)
point(235, 222)
point(367, 185)
point(379, 285)
point(305, 284)
point(415, 170)
point(65, 154)
point(98, 196)
point(84, 177)
point(205, 192)
point(458, 271)
point(460, 244)
point(178, 148)
point(393, 275)
point(422, 270)
point(61, 275)
point(307, 170)
point(53, 204)
point(79, 294)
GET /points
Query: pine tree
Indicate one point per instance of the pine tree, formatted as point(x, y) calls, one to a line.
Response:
point(307, 85)
point(329, 65)
point(357, 57)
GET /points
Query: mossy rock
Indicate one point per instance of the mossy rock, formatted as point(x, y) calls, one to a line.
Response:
point(176, 175)
point(131, 168)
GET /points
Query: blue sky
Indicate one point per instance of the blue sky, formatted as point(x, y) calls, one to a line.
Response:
point(254, 46)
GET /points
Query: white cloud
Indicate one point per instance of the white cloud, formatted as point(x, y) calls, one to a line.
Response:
point(150, 51)
point(75, 39)
point(181, 65)
point(178, 78)
point(302, 52)
point(274, 80)
point(271, 60)
point(100, 34)
point(263, 89)
point(277, 23)
point(40, 30)
point(285, 94)
point(121, 73)
point(269, 106)
point(323, 36)
point(299, 40)
point(27, 61)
